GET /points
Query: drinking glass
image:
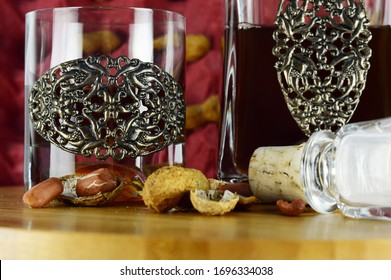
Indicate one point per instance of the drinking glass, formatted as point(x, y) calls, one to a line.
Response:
point(103, 88)
point(255, 112)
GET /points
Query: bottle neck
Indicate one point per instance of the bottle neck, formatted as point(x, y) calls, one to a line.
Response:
point(317, 175)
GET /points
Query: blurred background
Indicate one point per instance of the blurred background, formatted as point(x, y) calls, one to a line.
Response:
point(204, 26)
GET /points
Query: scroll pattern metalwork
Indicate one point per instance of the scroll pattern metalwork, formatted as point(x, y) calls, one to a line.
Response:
point(108, 107)
point(323, 60)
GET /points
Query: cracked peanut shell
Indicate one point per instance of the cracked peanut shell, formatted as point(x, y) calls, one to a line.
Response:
point(165, 187)
point(213, 202)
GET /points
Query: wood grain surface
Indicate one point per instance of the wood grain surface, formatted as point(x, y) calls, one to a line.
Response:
point(135, 232)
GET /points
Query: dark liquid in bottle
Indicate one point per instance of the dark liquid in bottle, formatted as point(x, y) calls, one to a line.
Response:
point(262, 117)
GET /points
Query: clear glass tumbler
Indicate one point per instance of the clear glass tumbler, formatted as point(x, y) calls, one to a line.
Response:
point(104, 88)
point(254, 112)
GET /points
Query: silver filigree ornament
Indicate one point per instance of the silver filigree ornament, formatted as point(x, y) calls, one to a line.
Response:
point(108, 107)
point(323, 60)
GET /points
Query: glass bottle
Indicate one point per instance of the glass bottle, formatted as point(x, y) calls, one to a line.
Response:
point(254, 112)
point(350, 170)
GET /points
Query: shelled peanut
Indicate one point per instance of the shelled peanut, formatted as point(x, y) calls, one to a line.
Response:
point(43, 193)
point(197, 45)
point(100, 180)
point(101, 41)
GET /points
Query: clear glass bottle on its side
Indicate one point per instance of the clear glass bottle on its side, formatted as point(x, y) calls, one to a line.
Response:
point(350, 170)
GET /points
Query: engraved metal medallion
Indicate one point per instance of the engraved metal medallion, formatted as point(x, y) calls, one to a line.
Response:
point(108, 107)
point(323, 60)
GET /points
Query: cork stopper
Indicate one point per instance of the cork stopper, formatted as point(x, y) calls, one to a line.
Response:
point(274, 173)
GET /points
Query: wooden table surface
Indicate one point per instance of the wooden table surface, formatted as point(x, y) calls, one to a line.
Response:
point(135, 232)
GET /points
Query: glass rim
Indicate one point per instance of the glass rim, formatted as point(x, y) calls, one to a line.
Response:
point(123, 8)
